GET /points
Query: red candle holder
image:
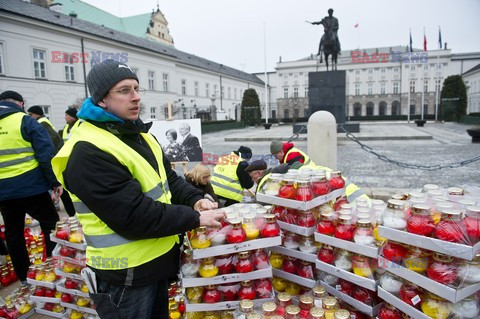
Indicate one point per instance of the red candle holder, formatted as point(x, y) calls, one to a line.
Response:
point(289, 265)
point(260, 259)
point(346, 286)
point(450, 228)
point(305, 269)
point(389, 312)
point(236, 234)
point(306, 219)
point(326, 224)
point(336, 181)
point(472, 223)
point(303, 192)
point(287, 190)
point(394, 252)
point(345, 229)
point(443, 269)
point(211, 294)
point(421, 221)
point(263, 288)
point(410, 294)
point(224, 264)
point(243, 264)
point(247, 291)
point(271, 228)
point(363, 295)
point(326, 254)
point(229, 291)
point(319, 186)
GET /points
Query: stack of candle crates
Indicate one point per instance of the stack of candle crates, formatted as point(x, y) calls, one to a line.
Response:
point(432, 253)
point(221, 266)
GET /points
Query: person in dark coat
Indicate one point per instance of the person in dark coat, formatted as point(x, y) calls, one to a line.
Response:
point(190, 143)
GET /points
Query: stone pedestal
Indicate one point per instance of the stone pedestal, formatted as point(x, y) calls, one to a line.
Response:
point(326, 92)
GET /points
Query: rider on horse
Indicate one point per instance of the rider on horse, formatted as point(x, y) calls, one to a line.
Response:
point(330, 24)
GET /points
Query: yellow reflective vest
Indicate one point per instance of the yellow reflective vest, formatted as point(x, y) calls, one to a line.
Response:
point(224, 180)
point(104, 245)
point(352, 191)
point(307, 161)
point(16, 154)
point(45, 120)
point(65, 134)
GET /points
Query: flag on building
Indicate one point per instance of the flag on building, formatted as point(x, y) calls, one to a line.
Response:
point(424, 40)
point(439, 38)
point(356, 25)
point(411, 48)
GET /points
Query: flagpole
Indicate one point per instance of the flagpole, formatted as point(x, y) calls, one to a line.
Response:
point(435, 77)
point(358, 36)
point(266, 78)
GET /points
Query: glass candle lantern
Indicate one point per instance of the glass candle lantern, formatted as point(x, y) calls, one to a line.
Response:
point(250, 227)
point(389, 312)
point(211, 294)
point(391, 283)
point(289, 265)
point(276, 260)
point(319, 293)
point(421, 221)
point(305, 303)
point(291, 240)
point(436, 307)
point(326, 254)
point(271, 228)
point(363, 234)
point(469, 271)
point(247, 291)
point(467, 308)
point(287, 189)
point(410, 294)
point(271, 186)
point(260, 259)
point(443, 269)
point(306, 269)
point(417, 259)
point(307, 245)
point(292, 312)
point(236, 233)
point(472, 223)
point(189, 266)
point(243, 263)
point(361, 266)
point(283, 301)
point(224, 264)
point(343, 260)
point(394, 215)
point(199, 238)
point(345, 228)
point(303, 192)
point(207, 268)
point(269, 310)
point(326, 224)
point(330, 304)
point(336, 180)
point(394, 251)
point(306, 219)
point(319, 185)
point(450, 227)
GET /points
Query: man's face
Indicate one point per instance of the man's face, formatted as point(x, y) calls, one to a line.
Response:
point(279, 155)
point(35, 116)
point(256, 175)
point(184, 129)
point(122, 100)
point(69, 119)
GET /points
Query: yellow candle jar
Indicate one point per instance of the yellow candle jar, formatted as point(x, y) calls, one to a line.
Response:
point(40, 275)
point(194, 294)
point(174, 313)
point(84, 287)
point(250, 228)
point(207, 268)
point(82, 302)
point(76, 314)
point(361, 266)
point(194, 315)
point(24, 307)
point(75, 235)
point(417, 259)
point(58, 308)
point(211, 315)
point(436, 307)
point(279, 284)
point(69, 268)
point(292, 289)
point(58, 294)
point(199, 239)
point(49, 275)
point(276, 260)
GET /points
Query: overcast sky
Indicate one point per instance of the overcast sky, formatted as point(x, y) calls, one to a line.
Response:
point(231, 31)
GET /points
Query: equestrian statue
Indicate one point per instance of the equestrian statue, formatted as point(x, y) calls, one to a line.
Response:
point(329, 44)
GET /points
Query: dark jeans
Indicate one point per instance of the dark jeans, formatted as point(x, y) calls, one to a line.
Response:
point(125, 302)
point(39, 207)
point(67, 203)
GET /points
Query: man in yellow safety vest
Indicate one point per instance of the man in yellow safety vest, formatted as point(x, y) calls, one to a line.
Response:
point(26, 176)
point(131, 204)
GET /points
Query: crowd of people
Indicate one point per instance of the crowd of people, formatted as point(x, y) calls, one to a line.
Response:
point(115, 177)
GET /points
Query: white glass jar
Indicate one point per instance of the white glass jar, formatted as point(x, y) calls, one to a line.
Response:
point(391, 283)
point(343, 260)
point(469, 271)
point(394, 216)
point(467, 308)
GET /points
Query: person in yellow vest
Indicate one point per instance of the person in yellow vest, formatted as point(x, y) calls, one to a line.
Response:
point(287, 153)
point(72, 123)
point(131, 204)
point(37, 113)
point(229, 178)
point(26, 176)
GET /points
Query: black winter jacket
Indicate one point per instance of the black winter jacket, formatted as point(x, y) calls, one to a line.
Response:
point(107, 187)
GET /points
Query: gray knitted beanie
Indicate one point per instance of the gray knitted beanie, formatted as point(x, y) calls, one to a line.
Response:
point(103, 76)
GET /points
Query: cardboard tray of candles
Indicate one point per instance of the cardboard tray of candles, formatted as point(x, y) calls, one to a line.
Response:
point(444, 247)
point(225, 305)
point(294, 253)
point(351, 246)
point(299, 205)
point(78, 308)
point(364, 282)
point(80, 246)
point(309, 283)
point(449, 293)
point(223, 279)
point(49, 313)
point(236, 248)
point(360, 306)
point(400, 305)
point(300, 230)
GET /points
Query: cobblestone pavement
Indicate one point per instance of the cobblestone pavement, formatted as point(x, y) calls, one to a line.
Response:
point(450, 143)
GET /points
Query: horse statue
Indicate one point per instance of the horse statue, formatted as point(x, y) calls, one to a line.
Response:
point(329, 44)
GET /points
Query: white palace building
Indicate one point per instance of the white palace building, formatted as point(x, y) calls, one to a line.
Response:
point(46, 50)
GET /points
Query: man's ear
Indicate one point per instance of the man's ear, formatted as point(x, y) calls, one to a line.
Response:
point(102, 104)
